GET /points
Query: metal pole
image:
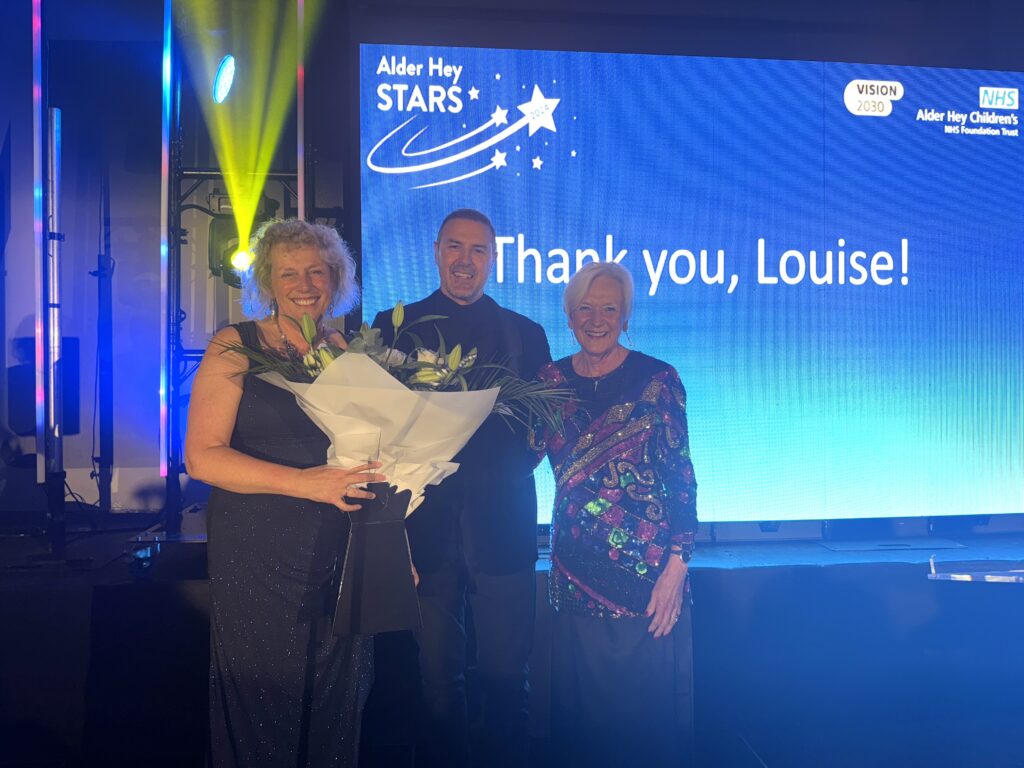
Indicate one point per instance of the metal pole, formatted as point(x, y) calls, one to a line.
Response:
point(104, 352)
point(173, 498)
point(213, 174)
point(55, 475)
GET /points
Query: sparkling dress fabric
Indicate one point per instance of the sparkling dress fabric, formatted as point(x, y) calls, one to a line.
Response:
point(284, 691)
point(626, 491)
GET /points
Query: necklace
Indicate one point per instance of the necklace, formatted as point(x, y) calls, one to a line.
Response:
point(289, 349)
point(604, 376)
point(597, 378)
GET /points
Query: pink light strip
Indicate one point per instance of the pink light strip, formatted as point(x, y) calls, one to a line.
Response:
point(300, 96)
point(165, 191)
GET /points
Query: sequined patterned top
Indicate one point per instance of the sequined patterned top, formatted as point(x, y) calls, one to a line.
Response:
point(625, 486)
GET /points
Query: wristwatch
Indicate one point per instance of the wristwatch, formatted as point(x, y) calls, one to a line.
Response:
point(681, 553)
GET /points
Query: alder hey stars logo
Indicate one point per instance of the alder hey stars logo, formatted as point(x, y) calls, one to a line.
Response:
point(498, 137)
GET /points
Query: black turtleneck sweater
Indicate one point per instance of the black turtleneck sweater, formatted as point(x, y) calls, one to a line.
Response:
point(486, 513)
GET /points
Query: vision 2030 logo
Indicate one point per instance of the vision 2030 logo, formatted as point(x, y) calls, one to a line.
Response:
point(441, 94)
point(872, 98)
point(991, 97)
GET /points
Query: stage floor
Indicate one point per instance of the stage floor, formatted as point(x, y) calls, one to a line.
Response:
point(805, 655)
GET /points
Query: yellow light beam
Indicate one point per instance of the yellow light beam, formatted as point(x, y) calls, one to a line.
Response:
point(245, 129)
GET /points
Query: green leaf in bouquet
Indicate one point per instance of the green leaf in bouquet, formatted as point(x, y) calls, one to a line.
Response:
point(488, 375)
point(423, 319)
point(528, 402)
point(399, 330)
point(261, 361)
point(417, 342)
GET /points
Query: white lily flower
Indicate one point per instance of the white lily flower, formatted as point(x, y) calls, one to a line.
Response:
point(394, 357)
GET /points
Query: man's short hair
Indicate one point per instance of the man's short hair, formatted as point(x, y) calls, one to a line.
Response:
point(469, 214)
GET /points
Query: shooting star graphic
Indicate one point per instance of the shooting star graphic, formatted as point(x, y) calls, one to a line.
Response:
point(498, 117)
point(497, 161)
point(537, 113)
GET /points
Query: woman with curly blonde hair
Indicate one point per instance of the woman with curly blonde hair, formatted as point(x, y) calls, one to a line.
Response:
point(283, 689)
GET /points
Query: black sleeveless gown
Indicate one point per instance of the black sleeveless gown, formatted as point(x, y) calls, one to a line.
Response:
point(284, 691)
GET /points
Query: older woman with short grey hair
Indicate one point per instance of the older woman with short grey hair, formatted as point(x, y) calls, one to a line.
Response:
point(283, 689)
point(623, 524)
point(582, 280)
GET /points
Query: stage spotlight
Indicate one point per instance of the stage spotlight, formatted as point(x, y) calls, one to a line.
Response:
point(224, 78)
point(228, 258)
point(241, 261)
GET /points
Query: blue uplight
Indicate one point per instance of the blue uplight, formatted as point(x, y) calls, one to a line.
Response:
point(224, 78)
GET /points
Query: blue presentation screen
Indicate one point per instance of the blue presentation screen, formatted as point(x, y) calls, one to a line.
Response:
point(831, 255)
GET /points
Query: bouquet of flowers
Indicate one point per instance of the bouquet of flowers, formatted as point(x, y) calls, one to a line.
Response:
point(413, 413)
point(532, 403)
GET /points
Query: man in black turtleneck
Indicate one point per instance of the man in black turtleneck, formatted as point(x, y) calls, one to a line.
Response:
point(474, 537)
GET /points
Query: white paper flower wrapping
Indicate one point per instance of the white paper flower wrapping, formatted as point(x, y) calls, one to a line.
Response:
point(368, 414)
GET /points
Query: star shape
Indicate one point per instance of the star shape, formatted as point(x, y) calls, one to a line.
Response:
point(539, 111)
point(537, 163)
point(573, 153)
point(498, 160)
point(499, 116)
point(474, 93)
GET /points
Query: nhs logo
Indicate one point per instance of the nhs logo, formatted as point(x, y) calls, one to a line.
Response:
point(998, 98)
